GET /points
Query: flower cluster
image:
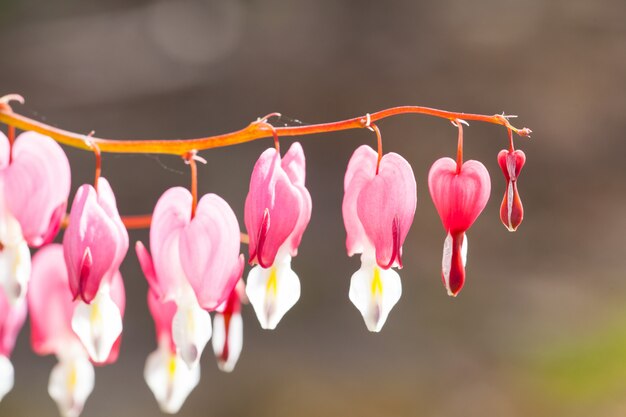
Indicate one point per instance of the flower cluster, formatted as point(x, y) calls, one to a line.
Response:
point(75, 293)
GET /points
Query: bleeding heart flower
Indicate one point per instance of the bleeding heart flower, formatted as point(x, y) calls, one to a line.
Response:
point(51, 309)
point(277, 211)
point(195, 263)
point(12, 316)
point(94, 246)
point(511, 209)
point(228, 330)
point(460, 195)
point(169, 379)
point(36, 185)
point(378, 210)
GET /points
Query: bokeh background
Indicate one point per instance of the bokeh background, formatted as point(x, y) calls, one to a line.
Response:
point(540, 328)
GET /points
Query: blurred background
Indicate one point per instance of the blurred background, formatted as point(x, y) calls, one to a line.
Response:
point(539, 329)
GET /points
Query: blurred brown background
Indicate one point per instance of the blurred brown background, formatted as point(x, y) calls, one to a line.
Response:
point(540, 328)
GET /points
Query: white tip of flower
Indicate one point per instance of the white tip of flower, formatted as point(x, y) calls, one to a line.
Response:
point(98, 325)
point(191, 329)
point(374, 291)
point(273, 291)
point(227, 340)
point(7, 376)
point(170, 379)
point(71, 383)
point(14, 270)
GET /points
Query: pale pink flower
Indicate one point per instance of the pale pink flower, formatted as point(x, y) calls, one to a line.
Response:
point(12, 316)
point(459, 196)
point(378, 210)
point(511, 209)
point(277, 211)
point(228, 330)
point(195, 263)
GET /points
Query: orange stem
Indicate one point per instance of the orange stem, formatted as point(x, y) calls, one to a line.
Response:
point(190, 159)
point(11, 137)
point(459, 147)
point(254, 131)
point(379, 141)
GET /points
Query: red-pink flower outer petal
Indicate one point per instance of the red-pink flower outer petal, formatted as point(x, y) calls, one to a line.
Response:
point(163, 314)
point(95, 241)
point(11, 321)
point(209, 251)
point(459, 198)
point(36, 185)
point(277, 206)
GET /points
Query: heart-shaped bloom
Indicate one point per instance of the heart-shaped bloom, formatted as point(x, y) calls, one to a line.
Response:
point(94, 245)
point(277, 211)
point(51, 309)
point(511, 209)
point(459, 196)
point(195, 263)
point(169, 379)
point(378, 210)
point(12, 316)
point(228, 330)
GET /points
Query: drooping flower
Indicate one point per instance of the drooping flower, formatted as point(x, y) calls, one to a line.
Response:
point(511, 209)
point(34, 186)
point(277, 211)
point(169, 379)
point(51, 309)
point(378, 210)
point(195, 263)
point(12, 316)
point(228, 330)
point(459, 195)
point(94, 245)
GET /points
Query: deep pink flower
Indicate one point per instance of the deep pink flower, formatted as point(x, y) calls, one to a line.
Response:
point(228, 330)
point(195, 263)
point(170, 380)
point(36, 185)
point(12, 316)
point(277, 211)
point(459, 197)
point(95, 242)
point(378, 210)
point(511, 209)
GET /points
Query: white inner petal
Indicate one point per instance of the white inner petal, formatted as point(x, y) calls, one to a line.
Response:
point(7, 376)
point(374, 291)
point(464, 245)
point(169, 378)
point(71, 382)
point(14, 262)
point(509, 202)
point(98, 325)
point(234, 340)
point(273, 291)
point(191, 327)
point(446, 261)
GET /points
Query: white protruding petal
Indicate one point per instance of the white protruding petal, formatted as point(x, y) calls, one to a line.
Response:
point(230, 338)
point(7, 376)
point(98, 325)
point(170, 379)
point(273, 291)
point(191, 328)
point(464, 250)
point(71, 383)
point(446, 261)
point(374, 291)
point(14, 269)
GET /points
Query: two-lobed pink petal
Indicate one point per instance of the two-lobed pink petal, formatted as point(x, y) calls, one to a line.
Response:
point(36, 185)
point(459, 197)
point(278, 205)
point(378, 209)
point(95, 241)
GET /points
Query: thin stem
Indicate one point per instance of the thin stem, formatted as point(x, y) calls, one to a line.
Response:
point(11, 137)
point(98, 154)
point(379, 142)
point(459, 146)
point(511, 145)
point(254, 131)
point(190, 158)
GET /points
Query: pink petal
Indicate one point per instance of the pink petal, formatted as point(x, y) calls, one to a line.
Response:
point(171, 215)
point(37, 185)
point(295, 167)
point(272, 208)
point(361, 170)
point(459, 198)
point(11, 321)
point(511, 208)
point(95, 241)
point(4, 150)
point(147, 266)
point(163, 314)
point(50, 302)
point(209, 251)
point(386, 206)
